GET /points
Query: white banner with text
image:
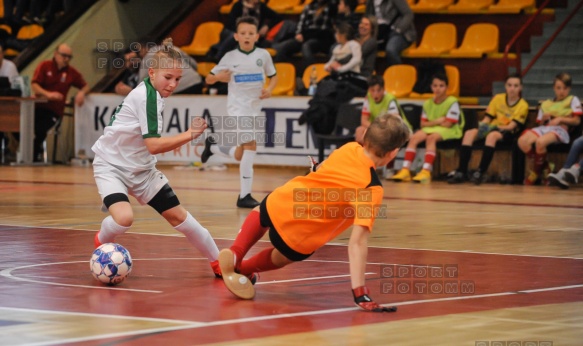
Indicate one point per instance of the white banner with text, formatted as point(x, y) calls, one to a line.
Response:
point(280, 138)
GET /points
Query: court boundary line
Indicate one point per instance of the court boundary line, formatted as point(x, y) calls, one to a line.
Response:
point(197, 325)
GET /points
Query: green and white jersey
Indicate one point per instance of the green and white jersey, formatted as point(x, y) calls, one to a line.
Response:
point(249, 70)
point(138, 117)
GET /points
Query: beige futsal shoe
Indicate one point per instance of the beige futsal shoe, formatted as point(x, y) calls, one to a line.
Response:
point(238, 284)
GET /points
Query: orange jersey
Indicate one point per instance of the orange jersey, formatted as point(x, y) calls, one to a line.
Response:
point(308, 211)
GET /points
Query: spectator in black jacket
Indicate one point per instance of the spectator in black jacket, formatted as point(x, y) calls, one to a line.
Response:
point(396, 28)
point(314, 33)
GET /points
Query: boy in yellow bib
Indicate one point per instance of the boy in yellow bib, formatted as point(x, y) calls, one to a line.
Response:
point(555, 118)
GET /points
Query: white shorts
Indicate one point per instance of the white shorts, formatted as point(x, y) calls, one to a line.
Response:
point(560, 132)
point(142, 185)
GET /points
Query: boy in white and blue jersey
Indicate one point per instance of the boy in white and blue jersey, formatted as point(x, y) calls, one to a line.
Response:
point(245, 69)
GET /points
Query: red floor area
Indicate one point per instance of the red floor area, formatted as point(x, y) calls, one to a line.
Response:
point(185, 288)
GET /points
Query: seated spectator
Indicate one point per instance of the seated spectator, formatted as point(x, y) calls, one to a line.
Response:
point(396, 27)
point(346, 55)
point(7, 67)
point(130, 78)
point(442, 119)
point(314, 34)
point(266, 17)
point(505, 117)
point(190, 83)
point(8, 70)
point(555, 117)
point(367, 33)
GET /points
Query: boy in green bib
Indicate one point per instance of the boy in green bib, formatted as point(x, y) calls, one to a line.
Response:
point(378, 102)
point(442, 119)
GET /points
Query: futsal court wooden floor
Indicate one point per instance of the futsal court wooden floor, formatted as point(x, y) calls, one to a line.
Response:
point(514, 253)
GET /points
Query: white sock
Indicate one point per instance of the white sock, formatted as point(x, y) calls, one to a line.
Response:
point(246, 172)
point(223, 151)
point(199, 237)
point(109, 230)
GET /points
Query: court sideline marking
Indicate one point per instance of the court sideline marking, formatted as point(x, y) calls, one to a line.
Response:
point(196, 325)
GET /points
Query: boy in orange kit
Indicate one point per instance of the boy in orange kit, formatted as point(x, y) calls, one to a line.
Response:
point(353, 195)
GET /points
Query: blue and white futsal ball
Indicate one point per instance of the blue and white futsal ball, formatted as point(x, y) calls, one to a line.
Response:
point(110, 263)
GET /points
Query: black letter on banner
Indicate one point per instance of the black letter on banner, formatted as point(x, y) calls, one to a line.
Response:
point(174, 121)
point(99, 117)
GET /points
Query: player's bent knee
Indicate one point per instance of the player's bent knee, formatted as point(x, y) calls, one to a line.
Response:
point(125, 219)
point(164, 200)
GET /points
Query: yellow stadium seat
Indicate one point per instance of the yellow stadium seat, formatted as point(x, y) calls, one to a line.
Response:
point(286, 79)
point(438, 38)
point(281, 6)
point(206, 35)
point(400, 79)
point(453, 77)
point(204, 68)
point(431, 5)
point(320, 72)
point(470, 6)
point(6, 28)
point(29, 32)
point(479, 39)
point(511, 6)
point(453, 85)
point(226, 9)
point(271, 51)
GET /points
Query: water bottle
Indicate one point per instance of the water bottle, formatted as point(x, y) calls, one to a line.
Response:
point(313, 82)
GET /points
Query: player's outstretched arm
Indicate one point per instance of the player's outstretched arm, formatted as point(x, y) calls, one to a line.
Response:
point(357, 254)
point(158, 145)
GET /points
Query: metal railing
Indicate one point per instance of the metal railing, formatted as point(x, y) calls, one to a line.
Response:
point(514, 39)
point(552, 38)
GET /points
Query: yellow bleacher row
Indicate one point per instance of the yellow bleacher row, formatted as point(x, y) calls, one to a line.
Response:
point(399, 79)
point(418, 6)
point(27, 32)
point(438, 41)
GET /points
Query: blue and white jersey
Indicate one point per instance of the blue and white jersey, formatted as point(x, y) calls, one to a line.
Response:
point(249, 74)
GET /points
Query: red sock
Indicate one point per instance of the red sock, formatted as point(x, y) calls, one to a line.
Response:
point(429, 158)
point(409, 157)
point(250, 233)
point(258, 263)
point(539, 162)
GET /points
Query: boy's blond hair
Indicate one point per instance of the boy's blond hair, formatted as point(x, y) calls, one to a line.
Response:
point(385, 134)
